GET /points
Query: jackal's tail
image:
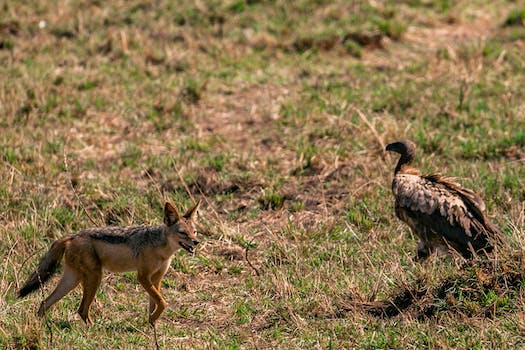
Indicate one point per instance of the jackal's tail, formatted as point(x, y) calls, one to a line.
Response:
point(46, 267)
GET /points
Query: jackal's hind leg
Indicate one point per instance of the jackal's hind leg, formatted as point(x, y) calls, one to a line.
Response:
point(67, 283)
point(90, 284)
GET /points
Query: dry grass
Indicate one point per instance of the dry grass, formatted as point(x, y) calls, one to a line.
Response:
point(276, 114)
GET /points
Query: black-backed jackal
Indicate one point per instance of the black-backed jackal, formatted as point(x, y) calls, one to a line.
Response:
point(145, 249)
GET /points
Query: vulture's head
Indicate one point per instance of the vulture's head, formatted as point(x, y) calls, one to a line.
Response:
point(407, 150)
point(404, 148)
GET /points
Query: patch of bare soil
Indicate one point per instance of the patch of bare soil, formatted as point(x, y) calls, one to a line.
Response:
point(242, 117)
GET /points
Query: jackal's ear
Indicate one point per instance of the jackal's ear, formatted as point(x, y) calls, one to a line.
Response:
point(190, 214)
point(171, 215)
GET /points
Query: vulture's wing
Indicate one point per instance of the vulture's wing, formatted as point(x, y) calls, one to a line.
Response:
point(475, 204)
point(470, 197)
point(443, 206)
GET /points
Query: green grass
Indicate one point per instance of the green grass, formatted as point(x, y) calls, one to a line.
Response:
point(113, 108)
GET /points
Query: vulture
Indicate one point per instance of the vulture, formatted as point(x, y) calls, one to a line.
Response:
point(444, 215)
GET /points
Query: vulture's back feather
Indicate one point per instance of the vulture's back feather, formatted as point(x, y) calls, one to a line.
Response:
point(437, 206)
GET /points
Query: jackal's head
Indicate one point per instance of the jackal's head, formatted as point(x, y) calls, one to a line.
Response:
point(182, 228)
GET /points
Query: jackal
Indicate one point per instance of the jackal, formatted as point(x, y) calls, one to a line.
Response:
point(145, 249)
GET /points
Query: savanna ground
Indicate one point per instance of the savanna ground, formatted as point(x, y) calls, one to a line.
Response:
point(276, 113)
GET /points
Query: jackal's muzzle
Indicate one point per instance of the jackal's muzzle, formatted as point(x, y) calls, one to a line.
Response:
point(189, 248)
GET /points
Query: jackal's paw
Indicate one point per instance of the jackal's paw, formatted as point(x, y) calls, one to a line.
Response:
point(86, 318)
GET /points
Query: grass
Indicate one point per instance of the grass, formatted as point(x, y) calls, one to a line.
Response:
point(276, 114)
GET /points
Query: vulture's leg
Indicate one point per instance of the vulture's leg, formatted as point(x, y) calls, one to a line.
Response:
point(422, 251)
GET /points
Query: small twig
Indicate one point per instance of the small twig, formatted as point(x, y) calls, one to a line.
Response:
point(154, 184)
point(46, 321)
point(29, 257)
point(248, 260)
point(376, 287)
point(8, 258)
point(323, 195)
point(75, 191)
point(184, 183)
point(155, 336)
point(13, 168)
point(371, 127)
point(363, 186)
point(198, 188)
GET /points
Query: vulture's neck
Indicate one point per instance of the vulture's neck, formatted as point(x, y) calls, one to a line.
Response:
point(403, 165)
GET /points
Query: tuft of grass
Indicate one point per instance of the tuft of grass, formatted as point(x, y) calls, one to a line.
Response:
point(192, 91)
point(515, 18)
point(271, 200)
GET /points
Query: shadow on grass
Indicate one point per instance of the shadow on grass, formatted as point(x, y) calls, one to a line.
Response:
point(481, 288)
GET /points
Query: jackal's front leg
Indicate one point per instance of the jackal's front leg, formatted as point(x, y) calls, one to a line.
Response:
point(160, 303)
point(156, 280)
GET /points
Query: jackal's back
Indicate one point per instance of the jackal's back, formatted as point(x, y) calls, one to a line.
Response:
point(136, 237)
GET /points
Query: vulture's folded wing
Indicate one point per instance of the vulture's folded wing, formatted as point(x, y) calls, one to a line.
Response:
point(444, 207)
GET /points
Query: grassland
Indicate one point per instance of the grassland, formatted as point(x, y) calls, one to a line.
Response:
point(276, 113)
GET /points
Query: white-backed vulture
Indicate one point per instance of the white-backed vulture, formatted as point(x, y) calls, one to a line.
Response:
point(439, 211)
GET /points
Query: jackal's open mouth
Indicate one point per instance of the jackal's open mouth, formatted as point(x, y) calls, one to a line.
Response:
point(187, 247)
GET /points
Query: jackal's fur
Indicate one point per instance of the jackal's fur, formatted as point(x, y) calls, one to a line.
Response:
point(145, 249)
